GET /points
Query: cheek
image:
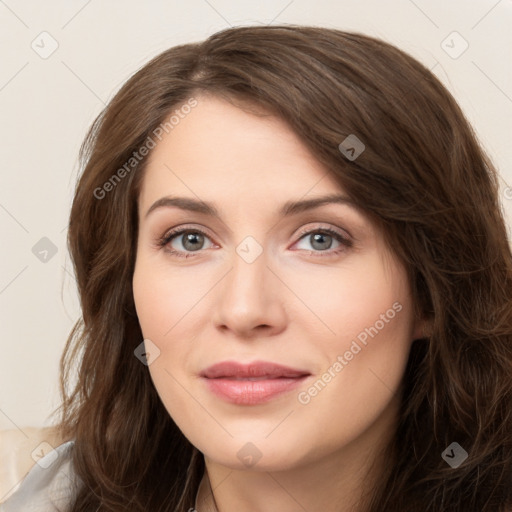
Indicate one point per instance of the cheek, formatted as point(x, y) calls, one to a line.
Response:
point(366, 356)
point(365, 317)
point(146, 302)
point(162, 297)
point(167, 302)
point(342, 303)
point(161, 306)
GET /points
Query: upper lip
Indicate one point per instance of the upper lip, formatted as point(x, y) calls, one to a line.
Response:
point(235, 369)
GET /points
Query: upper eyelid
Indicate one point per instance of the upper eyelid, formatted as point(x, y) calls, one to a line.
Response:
point(353, 223)
point(178, 230)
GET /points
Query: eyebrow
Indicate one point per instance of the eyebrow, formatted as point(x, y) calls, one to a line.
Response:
point(287, 209)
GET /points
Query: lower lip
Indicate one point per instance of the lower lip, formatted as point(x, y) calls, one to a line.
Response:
point(252, 392)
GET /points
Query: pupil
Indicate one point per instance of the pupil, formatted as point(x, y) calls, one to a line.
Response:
point(318, 238)
point(191, 238)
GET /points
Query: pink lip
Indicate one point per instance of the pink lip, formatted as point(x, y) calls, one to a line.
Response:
point(251, 384)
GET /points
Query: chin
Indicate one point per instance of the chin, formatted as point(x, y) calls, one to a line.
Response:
point(255, 453)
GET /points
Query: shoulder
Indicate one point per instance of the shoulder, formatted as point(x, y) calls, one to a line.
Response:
point(49, 483)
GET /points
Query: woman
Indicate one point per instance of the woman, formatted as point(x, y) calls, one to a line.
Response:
point(227, 359)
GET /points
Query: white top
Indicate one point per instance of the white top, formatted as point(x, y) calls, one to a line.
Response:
point(47, 487)
point(50, 484)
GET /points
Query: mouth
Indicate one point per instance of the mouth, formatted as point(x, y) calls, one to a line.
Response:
point(251, 384)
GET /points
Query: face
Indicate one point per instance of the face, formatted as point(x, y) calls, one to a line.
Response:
point(305, 304)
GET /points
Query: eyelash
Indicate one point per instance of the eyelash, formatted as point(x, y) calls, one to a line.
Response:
point(345, 242)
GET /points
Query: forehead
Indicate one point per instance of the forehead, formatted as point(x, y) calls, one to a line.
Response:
point(222, 150)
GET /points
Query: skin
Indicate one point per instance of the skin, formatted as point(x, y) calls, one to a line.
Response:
point(296, 304)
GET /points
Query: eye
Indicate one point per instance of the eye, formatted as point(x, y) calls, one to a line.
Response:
point(190, 240)
point(321, 239)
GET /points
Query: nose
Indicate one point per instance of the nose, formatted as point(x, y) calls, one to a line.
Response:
point(248, 301)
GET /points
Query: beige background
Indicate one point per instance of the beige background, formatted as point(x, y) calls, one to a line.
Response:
point(48, 101)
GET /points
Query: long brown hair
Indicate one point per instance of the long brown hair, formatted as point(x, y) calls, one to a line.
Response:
point(423, 176)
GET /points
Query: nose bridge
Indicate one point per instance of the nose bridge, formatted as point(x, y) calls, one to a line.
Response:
point(247, 296)
point(248, 276)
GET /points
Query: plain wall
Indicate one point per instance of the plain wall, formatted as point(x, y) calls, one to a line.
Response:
point(47, 102)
